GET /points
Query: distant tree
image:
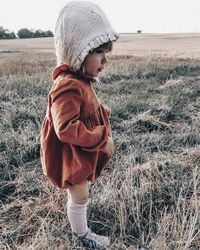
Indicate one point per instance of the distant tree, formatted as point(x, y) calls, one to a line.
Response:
point(25, 33)
point(6, 34)
point(48, 33)
point(139, 31)
point(12, 35)
point(38, 33)
point(2, 32)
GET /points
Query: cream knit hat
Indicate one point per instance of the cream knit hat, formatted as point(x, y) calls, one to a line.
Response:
point(80, 27)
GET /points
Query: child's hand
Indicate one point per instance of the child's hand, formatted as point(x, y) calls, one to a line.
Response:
point(109, 147)
point(107, 109)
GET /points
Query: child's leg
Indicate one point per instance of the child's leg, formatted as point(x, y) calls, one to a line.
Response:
point(78, 199)
point(77, 214)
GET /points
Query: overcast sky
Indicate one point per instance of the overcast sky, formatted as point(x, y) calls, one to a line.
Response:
point(151, 16)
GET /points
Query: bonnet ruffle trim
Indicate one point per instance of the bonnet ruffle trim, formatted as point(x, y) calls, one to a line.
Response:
point(93, 45)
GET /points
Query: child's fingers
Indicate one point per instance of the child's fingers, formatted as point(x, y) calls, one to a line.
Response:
point(108, 110)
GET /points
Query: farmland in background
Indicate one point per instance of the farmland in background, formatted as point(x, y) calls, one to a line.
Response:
point(149, 196)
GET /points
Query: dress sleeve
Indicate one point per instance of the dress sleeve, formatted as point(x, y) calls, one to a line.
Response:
point(65, 110)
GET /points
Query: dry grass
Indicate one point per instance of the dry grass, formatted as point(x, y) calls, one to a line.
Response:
point(149, 196)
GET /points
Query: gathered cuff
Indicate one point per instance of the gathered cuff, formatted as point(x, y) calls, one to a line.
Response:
point(100, 145)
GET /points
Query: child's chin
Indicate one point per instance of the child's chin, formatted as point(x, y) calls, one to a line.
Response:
point(95, 74)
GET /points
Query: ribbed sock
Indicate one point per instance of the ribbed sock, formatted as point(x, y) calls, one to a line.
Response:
point(77, 215)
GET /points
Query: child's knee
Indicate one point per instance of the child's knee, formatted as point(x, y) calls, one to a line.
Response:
point(80, 199)
point(79, 194)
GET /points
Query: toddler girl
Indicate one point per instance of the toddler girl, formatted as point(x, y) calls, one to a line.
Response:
point(76, 140)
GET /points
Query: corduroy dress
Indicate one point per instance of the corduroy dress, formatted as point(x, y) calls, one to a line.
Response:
point(74, 131)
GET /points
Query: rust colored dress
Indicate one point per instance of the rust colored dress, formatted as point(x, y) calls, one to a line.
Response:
point(74, 131)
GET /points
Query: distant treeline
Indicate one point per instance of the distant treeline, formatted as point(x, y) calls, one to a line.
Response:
point(24, 33)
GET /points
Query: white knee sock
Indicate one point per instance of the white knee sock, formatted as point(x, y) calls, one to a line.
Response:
point(77, 215)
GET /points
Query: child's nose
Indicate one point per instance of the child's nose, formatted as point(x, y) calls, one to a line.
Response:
point(105, 59)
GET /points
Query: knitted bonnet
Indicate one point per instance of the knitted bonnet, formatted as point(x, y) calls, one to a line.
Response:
point(80, 28)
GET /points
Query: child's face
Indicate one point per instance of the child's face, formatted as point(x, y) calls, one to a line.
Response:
point(96, 61)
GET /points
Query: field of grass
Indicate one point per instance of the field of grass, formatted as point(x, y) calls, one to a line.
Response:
point(149, 196)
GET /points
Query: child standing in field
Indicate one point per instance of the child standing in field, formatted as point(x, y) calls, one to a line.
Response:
point(76, 140)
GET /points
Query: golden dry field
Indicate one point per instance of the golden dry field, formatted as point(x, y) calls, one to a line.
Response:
point(181, 45)
point(149, 196)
